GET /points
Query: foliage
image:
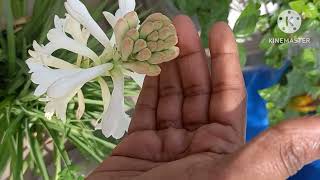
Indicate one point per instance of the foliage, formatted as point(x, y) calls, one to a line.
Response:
point(25, 133)
point(298, 92)
point(209, 12)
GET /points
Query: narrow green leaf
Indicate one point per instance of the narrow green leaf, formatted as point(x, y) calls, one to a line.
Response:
point(10, 37)
point(36, 153)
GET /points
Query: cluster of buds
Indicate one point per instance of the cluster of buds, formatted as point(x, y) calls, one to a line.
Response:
point(143, 48)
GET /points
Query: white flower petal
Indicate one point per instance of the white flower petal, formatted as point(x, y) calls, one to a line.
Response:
point(122, 128)
point(67, 84)
point(59, 22)
point(61, 40)
point(105, 92)
point(112, 20)
point(79, 12)
point(40, 90)
point(48, 60)
point(45, 76)
point(114, 119)
point(58, 106)
point(126, 6)
point(47, 49)
point(81, 105)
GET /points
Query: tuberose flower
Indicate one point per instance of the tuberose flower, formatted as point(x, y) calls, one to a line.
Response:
point(134, 50)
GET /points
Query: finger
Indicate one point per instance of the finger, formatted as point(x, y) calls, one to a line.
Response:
point(144, 117)
point(281, 151)
point(228, 95)
point(171, 97)
point(194, 73)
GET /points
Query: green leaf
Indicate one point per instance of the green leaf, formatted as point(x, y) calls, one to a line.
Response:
point(36, 153)
point(264, 43)
point(246, 24)
point(310, 11)
point(242, 54)
point(10, 37)
point(297, 5)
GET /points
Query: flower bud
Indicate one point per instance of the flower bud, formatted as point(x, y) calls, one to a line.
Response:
point(143, 49)
point(132, 19)
point(167, 31)
point(144, 55)
point(143, 68)
point(171, 40)
point(164, 56)
point(126, 48)
point(146, 29)
point(120, 29)
point(133, 34)
point(139, 45)
point(154, 36)
point(152, 46)
point(158, 17)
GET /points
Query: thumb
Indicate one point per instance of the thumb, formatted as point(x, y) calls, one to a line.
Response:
point(281, 151)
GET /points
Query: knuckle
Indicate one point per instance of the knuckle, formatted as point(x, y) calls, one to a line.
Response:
point(168, 123)
point(222, 86)
point(294, 150)
point(196, 90)
point(292, 156)
point(167, 91)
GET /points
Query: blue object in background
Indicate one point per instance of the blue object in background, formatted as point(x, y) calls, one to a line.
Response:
point(259, 78)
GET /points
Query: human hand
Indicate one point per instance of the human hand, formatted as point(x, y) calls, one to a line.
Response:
point(189, 124)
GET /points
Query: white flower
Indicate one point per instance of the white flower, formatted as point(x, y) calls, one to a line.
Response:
point(59, 81)
point(115, 122)
point(61, 85)
point(80, 13)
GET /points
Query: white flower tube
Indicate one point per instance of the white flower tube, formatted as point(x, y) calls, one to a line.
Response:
point(62, 84)
point(115, 122)
point(80, 13)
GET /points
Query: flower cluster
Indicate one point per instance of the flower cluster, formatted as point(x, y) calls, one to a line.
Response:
point(134, 50)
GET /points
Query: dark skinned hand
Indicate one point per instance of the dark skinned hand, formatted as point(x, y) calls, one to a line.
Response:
point(189, 124)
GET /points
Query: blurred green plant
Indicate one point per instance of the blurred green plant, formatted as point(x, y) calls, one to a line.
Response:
point(207, 13)
point(25, 134)
point(298, 92)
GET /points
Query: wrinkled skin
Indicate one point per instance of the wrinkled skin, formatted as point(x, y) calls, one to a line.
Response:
point(189, 124)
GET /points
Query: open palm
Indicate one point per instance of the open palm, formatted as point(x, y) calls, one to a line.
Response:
point(190, 123)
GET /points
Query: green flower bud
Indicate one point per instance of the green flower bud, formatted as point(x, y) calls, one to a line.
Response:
point(126, 48)
point(120, 29)
point(164, 56)
point(133, 34)
point(139, 45)
point(158, 17)
point(157, 25)
point(167, 31)
point(142, 50)
point(132, 19)
point(161, 45)
point(171, 40)
point(143, 68)
point(152, 46)
point(144, 55)
point(154, 36)
point(146, 29)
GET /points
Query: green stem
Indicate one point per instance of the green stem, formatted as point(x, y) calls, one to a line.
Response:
point(10, 37)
